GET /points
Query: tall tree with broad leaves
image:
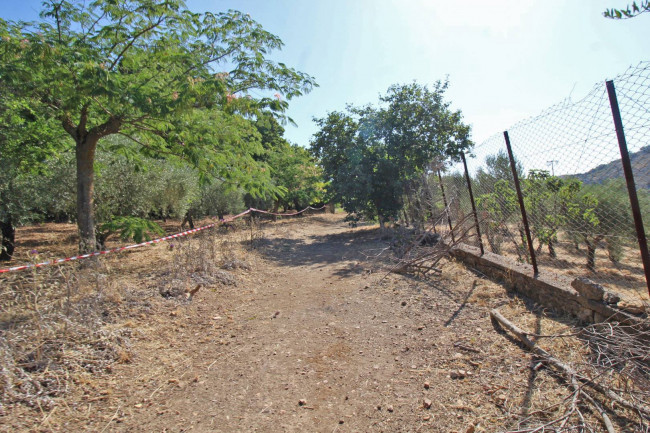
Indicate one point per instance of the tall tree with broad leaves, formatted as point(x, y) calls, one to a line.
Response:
point(372, 155)
point(174, 81)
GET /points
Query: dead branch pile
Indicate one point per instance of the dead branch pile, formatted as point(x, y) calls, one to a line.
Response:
point(420, 251)
point(611, 383)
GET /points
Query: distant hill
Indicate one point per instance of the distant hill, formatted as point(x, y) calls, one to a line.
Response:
point(613, 170)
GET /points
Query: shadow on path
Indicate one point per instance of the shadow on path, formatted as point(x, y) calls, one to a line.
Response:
point(462, 305)
point(322, 249)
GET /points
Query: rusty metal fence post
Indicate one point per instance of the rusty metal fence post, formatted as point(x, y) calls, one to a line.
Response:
point(444, 200)
point(629, 180)
point(471, 197)
point(522, 207)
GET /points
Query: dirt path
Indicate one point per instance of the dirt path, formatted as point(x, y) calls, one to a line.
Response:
point(309, 341)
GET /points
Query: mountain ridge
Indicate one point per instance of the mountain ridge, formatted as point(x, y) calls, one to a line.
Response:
point(614, 170)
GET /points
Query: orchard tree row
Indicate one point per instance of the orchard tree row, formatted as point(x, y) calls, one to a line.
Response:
point(561, 209)
point(102, 98)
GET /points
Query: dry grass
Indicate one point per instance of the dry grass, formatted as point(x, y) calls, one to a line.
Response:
point(65, 327)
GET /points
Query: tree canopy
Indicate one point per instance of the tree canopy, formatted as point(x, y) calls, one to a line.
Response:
point(371, 155)
point(173, 81)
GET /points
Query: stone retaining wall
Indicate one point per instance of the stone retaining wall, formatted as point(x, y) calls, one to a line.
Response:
point(548, 289)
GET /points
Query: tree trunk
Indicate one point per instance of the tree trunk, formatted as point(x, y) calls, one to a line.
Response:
point(188, 220)
point(276, 208)
point(406, 218)
point(8, 239)
point(591, 252)
point(551, 249)
point(85, 153)
point(591, 256)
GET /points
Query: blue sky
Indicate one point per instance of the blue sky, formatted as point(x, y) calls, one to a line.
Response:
point(506, 60)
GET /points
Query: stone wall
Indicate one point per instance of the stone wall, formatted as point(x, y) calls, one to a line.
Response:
point(591, 303)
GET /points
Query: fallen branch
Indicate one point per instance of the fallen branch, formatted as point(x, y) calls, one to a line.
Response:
point(568, 371)
point(414, 258)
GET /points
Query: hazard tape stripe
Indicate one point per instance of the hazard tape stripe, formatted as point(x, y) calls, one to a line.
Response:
point(141, 244)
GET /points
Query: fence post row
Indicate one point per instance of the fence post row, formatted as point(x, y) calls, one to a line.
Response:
point(629, 180)
point(444, 200)
point(520, 198)
point(471, 197)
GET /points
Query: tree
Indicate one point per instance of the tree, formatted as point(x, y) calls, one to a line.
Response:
point(630, 11)
point(25, 145)
point(547, 199)
point(147, 70)
point(293, 170)
point(496, 201)
point(497, 209)
point(600, 214)
point(372, 155)
point(496, 168)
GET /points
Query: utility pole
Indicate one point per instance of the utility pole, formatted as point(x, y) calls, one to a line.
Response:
point(552, 164)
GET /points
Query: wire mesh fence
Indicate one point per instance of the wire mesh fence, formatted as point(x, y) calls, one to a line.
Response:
point(574, 190)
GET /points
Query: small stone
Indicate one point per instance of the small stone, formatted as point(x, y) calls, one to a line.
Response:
point(427, 385)
point(378, 407)
point(341, 421)
point(611, 298)
point(403, 303)
point(427, 403)
point(138, 406)
point(588, 289)
point(390, 408)
point(302, 402)
point(426, 417)
point(457, 374)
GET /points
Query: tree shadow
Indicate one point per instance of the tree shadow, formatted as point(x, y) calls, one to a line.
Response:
point(532, 373)
point(321, 250)
point(462, 306)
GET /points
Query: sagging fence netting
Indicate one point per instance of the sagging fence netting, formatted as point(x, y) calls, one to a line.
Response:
point(570, 171)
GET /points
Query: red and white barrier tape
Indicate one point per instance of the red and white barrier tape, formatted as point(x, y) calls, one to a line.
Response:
point(153, 241)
